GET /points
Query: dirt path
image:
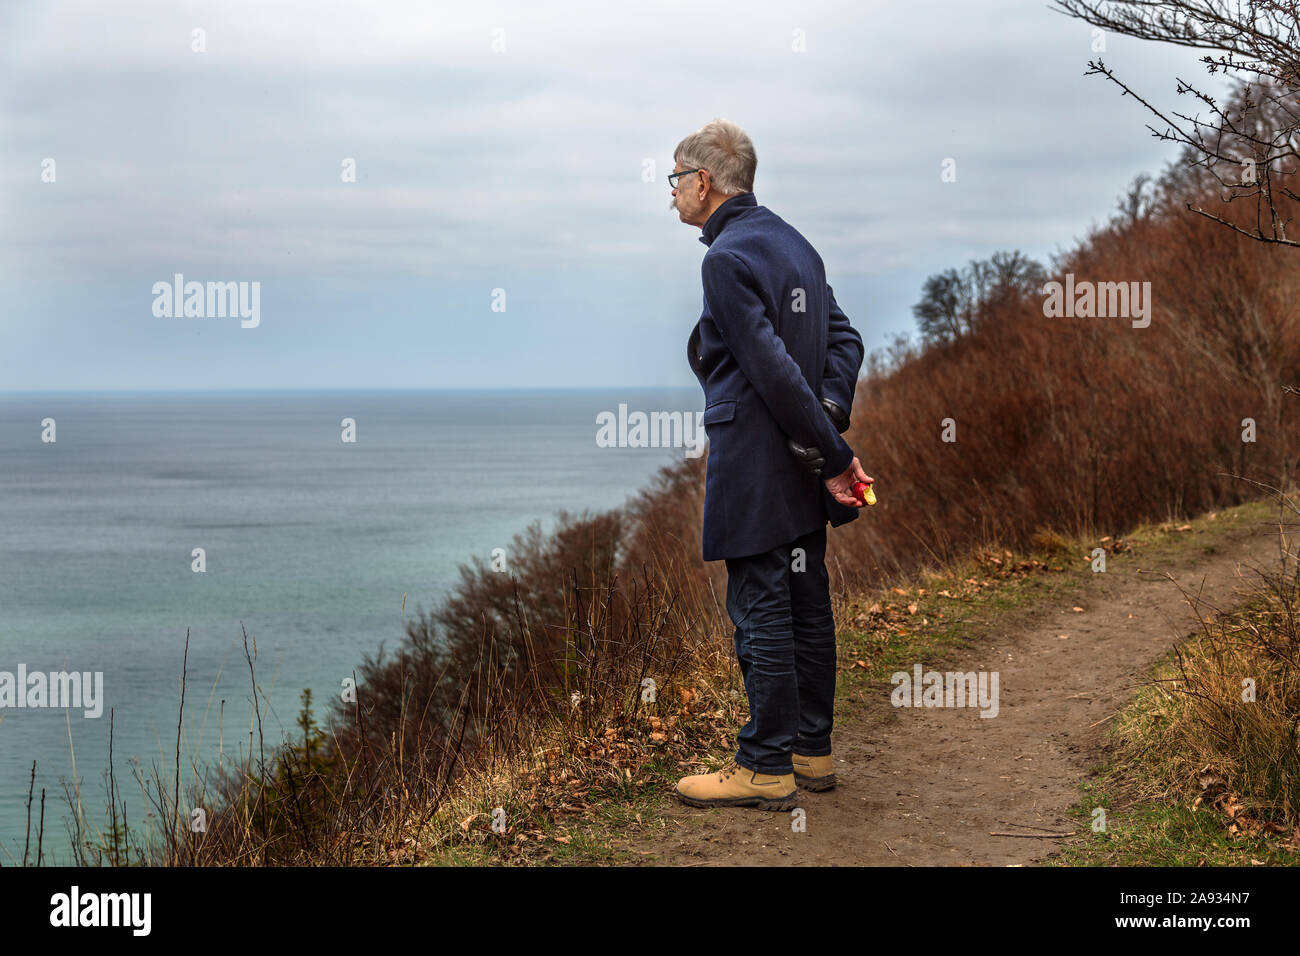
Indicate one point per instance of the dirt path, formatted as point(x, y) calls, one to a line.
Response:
point(926, 786)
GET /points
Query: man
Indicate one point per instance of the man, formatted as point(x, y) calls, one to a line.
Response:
point(778, 362)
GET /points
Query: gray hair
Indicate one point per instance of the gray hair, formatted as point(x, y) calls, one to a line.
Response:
point(725, 150)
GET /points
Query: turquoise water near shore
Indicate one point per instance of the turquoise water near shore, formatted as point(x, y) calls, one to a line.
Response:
point(310, 543)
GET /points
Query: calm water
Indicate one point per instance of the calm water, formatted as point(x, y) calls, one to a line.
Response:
point(310, 542)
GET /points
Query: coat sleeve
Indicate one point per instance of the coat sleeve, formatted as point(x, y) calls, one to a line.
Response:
point(844, 355)
point(737, 310)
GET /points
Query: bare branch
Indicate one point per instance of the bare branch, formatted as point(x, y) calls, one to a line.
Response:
point(1257, 133)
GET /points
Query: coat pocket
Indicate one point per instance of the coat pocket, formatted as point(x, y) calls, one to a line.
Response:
point(720, 412)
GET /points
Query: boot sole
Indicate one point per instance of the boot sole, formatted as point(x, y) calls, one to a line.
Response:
point(816, 784)
point(788, 802)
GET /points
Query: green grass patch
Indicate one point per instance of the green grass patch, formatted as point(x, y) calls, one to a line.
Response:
point(1157, 833)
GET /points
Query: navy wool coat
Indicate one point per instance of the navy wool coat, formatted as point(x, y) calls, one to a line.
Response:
point(770, 344)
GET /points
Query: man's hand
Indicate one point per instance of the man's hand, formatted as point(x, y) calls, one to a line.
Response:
point(811, 457)
point(838, 416)
point(841, 486)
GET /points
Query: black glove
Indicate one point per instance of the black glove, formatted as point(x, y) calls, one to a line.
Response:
point(811, 457)
point(838, 416)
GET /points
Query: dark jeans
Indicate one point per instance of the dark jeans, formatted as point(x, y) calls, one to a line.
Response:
point(785, 642)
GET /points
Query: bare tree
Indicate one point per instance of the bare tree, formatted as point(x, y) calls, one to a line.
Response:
point(943, 314)
point(1248, 146)
point(1136, 203)
point(954, 302)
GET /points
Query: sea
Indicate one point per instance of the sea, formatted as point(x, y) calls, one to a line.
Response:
point(318, 522)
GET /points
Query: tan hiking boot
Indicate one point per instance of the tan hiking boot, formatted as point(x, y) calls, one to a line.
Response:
point(735, 786)
point(814, 773)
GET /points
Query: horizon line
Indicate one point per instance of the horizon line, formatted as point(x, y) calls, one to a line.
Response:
point(342, 388)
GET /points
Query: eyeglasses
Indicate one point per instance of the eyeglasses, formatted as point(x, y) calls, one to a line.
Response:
point(674, 177)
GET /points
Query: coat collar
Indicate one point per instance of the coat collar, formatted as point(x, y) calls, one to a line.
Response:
point(725, 213)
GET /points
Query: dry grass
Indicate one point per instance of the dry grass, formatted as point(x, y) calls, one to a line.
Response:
point(1216, 726)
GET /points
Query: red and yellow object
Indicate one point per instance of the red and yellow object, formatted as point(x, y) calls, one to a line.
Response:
point(864, 492)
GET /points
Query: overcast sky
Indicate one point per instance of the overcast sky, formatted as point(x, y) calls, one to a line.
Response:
point(518, 169)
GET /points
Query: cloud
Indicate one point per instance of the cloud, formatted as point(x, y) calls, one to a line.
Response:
point(528, 161)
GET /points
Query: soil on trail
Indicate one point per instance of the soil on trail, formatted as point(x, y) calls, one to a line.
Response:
point(928, 786)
